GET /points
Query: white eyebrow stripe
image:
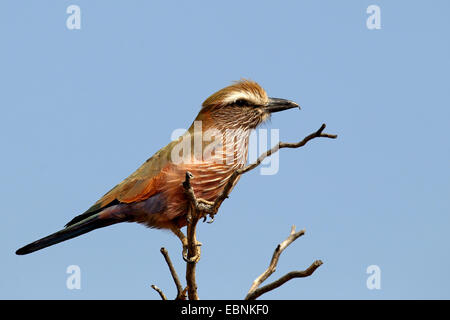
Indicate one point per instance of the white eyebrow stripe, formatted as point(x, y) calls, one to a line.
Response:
point(233, 97)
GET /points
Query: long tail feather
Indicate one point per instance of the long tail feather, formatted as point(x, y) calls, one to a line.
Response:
point(91, 223)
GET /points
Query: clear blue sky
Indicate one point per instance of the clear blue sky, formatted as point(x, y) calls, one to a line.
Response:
point(82, 109)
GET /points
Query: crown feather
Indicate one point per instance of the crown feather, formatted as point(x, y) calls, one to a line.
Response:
point(242, 89)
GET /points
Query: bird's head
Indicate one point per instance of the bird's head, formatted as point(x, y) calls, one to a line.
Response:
point(242, 105)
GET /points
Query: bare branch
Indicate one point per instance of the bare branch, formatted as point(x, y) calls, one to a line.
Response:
point(275, 257)
point(255, 292)
point(173, 272)
point(318, 134)
point(291, 275)
point(161, 294)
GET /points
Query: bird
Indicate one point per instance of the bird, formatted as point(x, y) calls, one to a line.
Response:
point(153, 195)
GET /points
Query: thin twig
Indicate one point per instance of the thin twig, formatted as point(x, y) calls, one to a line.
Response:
point(255, 292)
point(174, 274)
point(161, 294)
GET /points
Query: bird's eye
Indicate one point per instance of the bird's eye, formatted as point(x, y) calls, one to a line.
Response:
point(241, 102)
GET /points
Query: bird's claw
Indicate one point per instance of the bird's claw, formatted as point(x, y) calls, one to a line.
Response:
point(193, 259)
point(211, 217)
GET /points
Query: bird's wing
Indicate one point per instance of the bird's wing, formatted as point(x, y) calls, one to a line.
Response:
point(140, 185)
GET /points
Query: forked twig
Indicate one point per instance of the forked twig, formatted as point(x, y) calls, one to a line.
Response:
point(255, 291)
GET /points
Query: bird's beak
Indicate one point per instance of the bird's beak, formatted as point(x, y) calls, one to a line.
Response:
point(277, 104)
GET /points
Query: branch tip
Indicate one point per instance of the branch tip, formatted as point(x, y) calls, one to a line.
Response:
point(293, 229)
point(160, 292)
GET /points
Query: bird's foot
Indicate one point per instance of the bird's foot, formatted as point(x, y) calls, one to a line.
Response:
point(184, 242)
point(196, 257)
point(206, 209)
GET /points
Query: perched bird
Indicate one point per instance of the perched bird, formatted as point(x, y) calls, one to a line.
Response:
point(153, 195)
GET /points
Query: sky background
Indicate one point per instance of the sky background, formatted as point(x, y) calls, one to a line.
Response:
point(82, 109)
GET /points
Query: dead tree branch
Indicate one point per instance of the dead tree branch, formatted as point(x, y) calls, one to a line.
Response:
point(176, 279)
point(181, 294)
point(291, 275)
point(275, 257)
point(255, 291)
point(200, 208)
